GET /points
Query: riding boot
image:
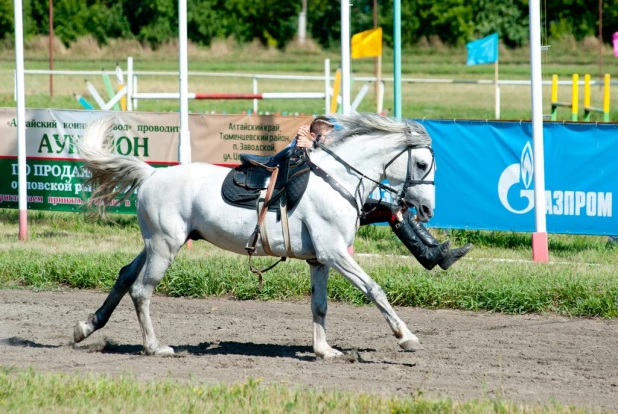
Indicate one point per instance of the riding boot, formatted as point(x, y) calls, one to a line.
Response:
point(449, 257)
point(420, 230)
point(427, 256)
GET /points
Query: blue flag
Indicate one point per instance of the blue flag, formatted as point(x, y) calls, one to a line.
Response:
point(484, 50)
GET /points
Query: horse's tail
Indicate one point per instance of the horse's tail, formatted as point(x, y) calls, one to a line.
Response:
point(112, 174)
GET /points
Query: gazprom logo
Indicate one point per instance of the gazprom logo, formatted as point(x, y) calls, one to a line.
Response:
point(523, 173)
point(527, 165)
point(519, 176)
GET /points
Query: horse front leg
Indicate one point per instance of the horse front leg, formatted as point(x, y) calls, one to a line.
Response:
point(319, 307)
point(341, 261)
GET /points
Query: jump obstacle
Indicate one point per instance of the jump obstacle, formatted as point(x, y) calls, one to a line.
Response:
point(588, 109)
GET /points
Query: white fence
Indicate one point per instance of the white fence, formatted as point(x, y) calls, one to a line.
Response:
point(133, 96)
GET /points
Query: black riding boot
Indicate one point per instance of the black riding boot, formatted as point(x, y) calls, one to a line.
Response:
point(420, 230)
point(427, 250)
point(427, 256)
point(452, 255)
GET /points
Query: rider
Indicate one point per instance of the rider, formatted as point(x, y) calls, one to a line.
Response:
point(420, 242)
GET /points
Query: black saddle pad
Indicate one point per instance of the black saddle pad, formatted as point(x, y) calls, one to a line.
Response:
point(237, 193)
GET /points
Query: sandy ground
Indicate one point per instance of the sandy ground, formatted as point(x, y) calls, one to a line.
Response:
point(526, 359)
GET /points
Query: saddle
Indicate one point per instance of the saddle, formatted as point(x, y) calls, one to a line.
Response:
point(274, 183)
point(244, 184)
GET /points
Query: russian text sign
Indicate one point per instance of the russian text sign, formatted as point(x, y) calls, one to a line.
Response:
point(55, 177)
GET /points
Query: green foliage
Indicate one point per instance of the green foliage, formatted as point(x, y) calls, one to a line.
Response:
point(508, 18)
point(274, 22)
point(153, 21)
point(6, 17)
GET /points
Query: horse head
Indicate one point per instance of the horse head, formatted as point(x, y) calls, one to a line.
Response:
point(403, 152)
point(412, 172)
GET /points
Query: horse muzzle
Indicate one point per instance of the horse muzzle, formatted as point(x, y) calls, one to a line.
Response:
point(424, 212)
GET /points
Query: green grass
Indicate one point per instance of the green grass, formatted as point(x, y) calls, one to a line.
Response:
point(25, 391)
point(498, 276)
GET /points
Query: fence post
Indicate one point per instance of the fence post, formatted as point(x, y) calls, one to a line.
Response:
point(326, 86)
point(255, 91)
point(586, 97)
point(130, 83)
point(554, 97)
point(606, 98)
point(575, 97)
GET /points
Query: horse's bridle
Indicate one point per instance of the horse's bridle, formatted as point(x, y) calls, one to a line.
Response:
point(399, 197)
point(410, 181)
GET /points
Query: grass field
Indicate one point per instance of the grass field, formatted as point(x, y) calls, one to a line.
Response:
point(28, 391)
point(66, 250)
point(419, 100)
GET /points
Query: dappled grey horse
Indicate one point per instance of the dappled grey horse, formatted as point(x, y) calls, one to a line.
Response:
point(184, 201)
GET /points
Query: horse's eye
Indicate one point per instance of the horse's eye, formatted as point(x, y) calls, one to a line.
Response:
point(421, 166)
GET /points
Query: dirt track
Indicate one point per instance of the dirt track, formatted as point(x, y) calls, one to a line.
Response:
point(524, 358)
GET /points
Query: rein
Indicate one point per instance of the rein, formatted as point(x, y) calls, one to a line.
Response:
point(409, 182)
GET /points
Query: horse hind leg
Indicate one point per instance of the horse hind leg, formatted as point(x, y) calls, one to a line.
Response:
point(126, 277)
point(141, 292)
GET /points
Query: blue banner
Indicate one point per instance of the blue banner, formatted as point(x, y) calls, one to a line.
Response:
point(483, 50)
point(485, 176)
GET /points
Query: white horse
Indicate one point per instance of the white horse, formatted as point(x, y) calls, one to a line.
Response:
point(184, 201)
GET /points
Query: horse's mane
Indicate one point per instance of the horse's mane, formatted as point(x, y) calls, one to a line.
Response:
point(374, 125)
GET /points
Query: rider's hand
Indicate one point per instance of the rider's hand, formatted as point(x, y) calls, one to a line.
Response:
point(304, 138)
point(303, 142)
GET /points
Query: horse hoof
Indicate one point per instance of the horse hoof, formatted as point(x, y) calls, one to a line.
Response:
point(82, 331)
point(329, 353)
point(332, 354)
point(161, 350)
point(411, 345)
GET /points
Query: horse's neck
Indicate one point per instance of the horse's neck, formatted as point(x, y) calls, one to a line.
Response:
point(368, 155)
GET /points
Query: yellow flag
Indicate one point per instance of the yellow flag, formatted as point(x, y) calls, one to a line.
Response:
point(367, 44)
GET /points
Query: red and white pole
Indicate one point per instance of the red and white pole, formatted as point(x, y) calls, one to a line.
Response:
point(540, 251)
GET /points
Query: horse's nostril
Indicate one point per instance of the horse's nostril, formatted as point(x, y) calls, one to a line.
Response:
point(426, 210)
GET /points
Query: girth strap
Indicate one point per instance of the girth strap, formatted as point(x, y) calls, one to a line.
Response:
point(252, 242)
point(258, 232)
point(264, 228)
point(261, 231)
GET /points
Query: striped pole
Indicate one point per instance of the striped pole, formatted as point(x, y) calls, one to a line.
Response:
point(95, 94)
point(110, 90)
point(241, 96)
point(83, 102)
